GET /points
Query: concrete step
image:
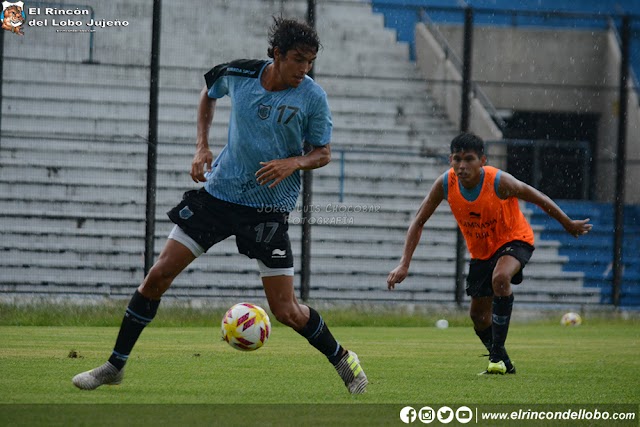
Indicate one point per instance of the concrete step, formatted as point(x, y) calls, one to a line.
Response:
point(44, 220)
point(137, 90)
point(197, 278)
point(136, 94)
point(351, 135)
point(183, 117)
point(348, 163)
point(341, 257)
point(130, 191)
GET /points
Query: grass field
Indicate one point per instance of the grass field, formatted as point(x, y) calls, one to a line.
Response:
point(597, 363)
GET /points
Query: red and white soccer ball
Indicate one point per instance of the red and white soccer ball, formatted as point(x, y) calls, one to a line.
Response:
point(246, 327)
point(571, 319)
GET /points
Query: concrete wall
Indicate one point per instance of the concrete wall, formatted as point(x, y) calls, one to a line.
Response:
point(433, 64)
point(553, 70)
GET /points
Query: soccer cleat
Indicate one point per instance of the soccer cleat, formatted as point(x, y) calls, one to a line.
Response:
point(509, 368)
point(352, 374)
point(497, 368)
point(106, 374)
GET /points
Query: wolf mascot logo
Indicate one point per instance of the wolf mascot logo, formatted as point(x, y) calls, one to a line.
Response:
point(13, 17)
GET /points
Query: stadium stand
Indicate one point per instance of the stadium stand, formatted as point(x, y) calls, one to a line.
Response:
point(73, 158)
point(593, 256)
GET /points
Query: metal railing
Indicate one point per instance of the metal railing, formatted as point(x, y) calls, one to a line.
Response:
point(342, 158)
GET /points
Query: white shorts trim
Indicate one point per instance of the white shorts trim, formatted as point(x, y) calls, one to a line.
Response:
point(180, 236)
point(270, 272)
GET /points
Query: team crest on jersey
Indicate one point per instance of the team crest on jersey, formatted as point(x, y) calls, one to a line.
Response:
point(264, 111)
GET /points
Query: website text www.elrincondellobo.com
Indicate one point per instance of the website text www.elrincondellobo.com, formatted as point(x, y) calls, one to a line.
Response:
point(440, 414)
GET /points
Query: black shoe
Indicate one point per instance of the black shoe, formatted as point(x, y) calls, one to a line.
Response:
point(495, 365)
point(510, 368)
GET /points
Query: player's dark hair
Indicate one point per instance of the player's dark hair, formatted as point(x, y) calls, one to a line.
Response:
point(467, 142)
point(287, 34)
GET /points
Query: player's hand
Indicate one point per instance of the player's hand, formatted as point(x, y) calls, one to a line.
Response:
point(578, 227)
point(397, 275)
point(201, 160)
point(275, 171)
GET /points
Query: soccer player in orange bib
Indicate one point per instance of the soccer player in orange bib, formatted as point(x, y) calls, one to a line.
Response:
point(485, 203)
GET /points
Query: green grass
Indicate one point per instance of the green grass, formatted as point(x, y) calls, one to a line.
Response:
point(596, 363)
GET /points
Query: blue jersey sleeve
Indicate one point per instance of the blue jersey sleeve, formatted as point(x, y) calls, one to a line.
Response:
point(445, 185)
point(496, 185)
point(217, 82)
point(320, 125)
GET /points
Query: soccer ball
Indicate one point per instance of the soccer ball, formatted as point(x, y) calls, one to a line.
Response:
point(246, 327)
point(571, 319)
point(442, 324)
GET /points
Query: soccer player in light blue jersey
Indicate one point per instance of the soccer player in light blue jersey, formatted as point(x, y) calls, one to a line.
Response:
point(249, 190)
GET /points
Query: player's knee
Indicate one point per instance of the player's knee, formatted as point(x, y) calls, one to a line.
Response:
point(501, 283)
point(283, 315)
point(287, 315)
point(157, 281)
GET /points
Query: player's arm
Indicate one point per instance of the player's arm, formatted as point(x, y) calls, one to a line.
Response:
point(509, 186)
point(203, 157)
point(277, 170)
point(427, 208)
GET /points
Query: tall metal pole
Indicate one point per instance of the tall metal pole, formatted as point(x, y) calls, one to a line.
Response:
point(152, 145)
point(307, 182)
point(464, 127)
point(621, 160)
point(1, 77)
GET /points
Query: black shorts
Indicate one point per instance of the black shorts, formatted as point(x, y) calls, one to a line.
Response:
point(259, 234)
point(481, 271)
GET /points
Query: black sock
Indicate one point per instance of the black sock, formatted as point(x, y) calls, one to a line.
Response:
point(319, 336)
point(500, 320)
point(486, 336)
point(139, 314)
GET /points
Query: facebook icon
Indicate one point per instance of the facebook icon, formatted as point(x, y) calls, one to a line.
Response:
point(408, 414)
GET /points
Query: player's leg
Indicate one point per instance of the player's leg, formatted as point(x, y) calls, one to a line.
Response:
point(478, 287)
point(310, 324)
point(502, 305)
point(141, 310)
point(264, 236)
point(174, 258)
point(480, 313)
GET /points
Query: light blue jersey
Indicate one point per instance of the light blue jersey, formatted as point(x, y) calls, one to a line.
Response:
point(263, 126)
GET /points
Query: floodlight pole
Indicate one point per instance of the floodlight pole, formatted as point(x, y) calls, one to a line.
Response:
point(464, 127)
point(152, 143)
point(621, 160)
point(1, 77)
point(307, 182)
